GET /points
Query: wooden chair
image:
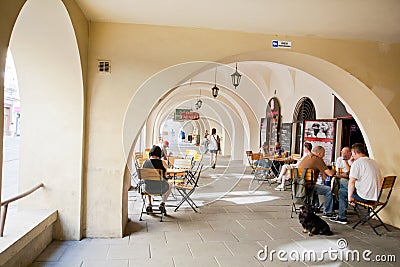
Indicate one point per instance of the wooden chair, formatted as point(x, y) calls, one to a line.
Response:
point(303, 182)
point(252, 158)
point(263, 169)
point(186, 189)
point(153, 185)
point(374, 207)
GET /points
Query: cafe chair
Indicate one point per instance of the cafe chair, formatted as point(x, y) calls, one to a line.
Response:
point(263, 171)
point(186, 189)
point(153, 184)
point(249, 155)
point(374, 207)
point(303, 182)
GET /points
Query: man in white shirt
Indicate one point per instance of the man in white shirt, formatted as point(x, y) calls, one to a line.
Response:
point(364, 182)
point(344, 162)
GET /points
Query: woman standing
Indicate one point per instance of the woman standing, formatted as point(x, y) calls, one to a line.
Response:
point(213, 147)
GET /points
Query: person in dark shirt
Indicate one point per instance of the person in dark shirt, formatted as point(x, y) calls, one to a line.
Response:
point(156, 163)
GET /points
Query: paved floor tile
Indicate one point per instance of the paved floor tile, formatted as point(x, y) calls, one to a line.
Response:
point(227, 231)
point(203, 249)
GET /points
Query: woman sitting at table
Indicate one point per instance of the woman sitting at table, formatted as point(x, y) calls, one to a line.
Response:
point(283, 177)
point(156, 163)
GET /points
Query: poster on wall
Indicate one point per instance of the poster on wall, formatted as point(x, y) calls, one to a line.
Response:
point(321, 133)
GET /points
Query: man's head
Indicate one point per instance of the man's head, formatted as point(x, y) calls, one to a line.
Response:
point(308, 146)
point(346, 152)
point(319, 151)
point(166, 143)
point(277, 144)
point(358, 150)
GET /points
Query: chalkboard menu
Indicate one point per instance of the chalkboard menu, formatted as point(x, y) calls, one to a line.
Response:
point(286, 137)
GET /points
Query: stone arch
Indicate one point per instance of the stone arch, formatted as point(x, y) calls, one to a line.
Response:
point(52, 102)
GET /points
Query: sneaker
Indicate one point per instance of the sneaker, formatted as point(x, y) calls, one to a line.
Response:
point(279, 188)
point(162, 208)
point(149, 209)
point(328, 215)
point(338, 220)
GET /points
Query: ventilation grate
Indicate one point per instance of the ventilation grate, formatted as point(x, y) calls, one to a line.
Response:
point(104, 66)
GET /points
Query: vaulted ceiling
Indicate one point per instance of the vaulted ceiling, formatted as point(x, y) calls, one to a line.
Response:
point(375, 20)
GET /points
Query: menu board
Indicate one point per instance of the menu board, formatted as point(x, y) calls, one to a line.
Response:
point(286, 137)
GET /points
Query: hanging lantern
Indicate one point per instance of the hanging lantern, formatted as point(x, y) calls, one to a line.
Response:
point(215, 90)
point(236, 78)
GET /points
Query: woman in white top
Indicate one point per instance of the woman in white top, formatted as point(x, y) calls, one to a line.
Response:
point(282, 176)
point(213, 140)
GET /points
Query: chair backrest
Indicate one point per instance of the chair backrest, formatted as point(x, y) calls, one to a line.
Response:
point(148, 174)
point(387, 185)
point(139, 162)
point(198, 175)
point(296, 156)
point(189, 153)
point(256, 156)
point(309, 174)
point(146, 153)
point(182, 164)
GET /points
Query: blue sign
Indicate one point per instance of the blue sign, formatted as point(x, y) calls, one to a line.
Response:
point(274, 43)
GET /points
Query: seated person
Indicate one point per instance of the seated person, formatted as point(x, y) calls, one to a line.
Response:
point(343, 162)
point(164, 153)
point(262, 162)
point(156, 163)
point(314, 161)
point(283, 176)
point(277, 154)
point(363, 185)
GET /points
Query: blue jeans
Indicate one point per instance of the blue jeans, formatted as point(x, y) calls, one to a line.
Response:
point(263, 163)
point(343, 192)
point(328, 199)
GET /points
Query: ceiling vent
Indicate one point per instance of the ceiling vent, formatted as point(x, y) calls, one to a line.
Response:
point(104, 66)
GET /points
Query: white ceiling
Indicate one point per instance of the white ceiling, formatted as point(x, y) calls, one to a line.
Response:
point(377, 20)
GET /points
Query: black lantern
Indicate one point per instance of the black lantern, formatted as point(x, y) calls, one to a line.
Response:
point(236, 78)
point(215, 89)
point(198, 104)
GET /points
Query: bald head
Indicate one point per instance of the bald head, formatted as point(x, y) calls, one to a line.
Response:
point(318, 150)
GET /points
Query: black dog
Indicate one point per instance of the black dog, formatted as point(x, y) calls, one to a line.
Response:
point(311, 223)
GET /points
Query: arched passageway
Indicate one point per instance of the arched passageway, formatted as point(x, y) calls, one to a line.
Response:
point(52, 102)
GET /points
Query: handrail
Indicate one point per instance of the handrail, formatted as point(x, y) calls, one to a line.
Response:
point(8, 201)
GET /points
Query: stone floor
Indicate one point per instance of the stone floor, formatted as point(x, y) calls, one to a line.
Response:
point(238, 220)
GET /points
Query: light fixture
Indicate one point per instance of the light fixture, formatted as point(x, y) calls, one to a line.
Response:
point(236, 78)
point(199, 102)
point(215, 89)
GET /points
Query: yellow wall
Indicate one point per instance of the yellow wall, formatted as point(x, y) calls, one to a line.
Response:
point(139, 51)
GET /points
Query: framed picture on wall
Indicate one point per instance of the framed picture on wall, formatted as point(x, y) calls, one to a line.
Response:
point(321, 133)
